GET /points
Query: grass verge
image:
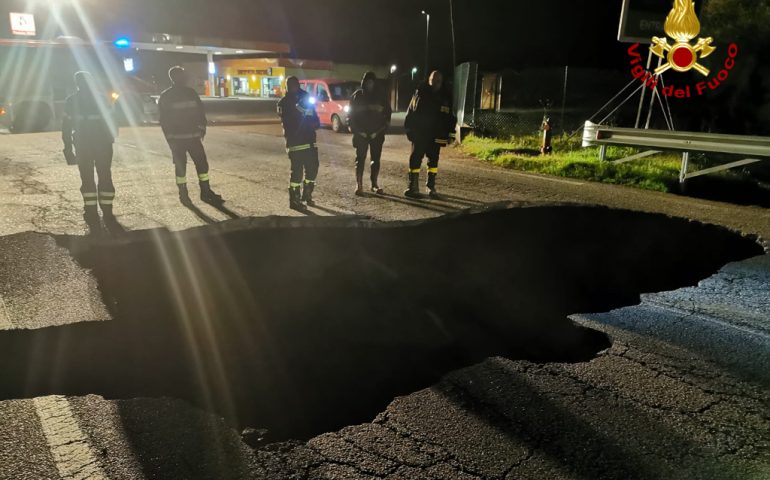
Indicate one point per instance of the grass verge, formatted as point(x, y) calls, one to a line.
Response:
point(660, 172)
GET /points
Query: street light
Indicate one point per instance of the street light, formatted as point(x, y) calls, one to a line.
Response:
point(427, 39)
point(393, 69)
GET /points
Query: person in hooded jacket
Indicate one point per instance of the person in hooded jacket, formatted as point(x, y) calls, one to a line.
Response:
point(183, 121)
point(90, 128)
point(300, 122)
point(369, 121)
point(429, 125)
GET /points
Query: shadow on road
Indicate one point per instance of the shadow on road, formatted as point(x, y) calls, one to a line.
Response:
point(303, 330)
point(528, 413)
point(328, 210)
point(223, 208)
point(423, 203)
point(200, 214)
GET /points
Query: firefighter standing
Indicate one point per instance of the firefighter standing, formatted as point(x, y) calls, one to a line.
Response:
point(184, 124)
point(369, 120)
point(429, 123)
point(89, 126)
point(300, 122)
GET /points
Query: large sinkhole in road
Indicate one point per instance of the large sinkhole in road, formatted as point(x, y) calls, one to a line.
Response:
point(303, 329)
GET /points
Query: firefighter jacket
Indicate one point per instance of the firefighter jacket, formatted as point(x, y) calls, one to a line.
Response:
point(369, 113)
point(88, 120)
point(430, 118)
point(300, 120)
point(181, 114)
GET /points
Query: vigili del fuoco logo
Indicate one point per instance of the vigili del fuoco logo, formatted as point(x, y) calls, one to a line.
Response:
point(682, 55)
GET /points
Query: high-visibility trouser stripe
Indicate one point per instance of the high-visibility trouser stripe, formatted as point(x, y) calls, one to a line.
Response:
point(183, 136)
point(299, 148)
point(441, 141)
point(445, 110)
point(295, 185)
point(414, 170)
point(203, 177)
point(106, 198)
point(90, 199)
point(433, 170)
point(181, 180)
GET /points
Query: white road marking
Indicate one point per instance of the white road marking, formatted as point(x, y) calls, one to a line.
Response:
point(72, 454)
point(5, 316)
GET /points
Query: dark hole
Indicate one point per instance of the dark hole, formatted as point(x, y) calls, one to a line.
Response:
point(304, 330)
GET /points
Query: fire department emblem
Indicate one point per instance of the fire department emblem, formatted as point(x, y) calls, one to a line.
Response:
point(682, 26)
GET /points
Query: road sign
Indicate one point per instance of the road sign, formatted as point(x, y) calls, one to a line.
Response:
point(23, 24)
point(640, 20)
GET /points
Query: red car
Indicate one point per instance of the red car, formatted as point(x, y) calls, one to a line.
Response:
point(332, 101)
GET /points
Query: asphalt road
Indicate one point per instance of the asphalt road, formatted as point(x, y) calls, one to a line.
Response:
point(250, 168)
point(665, 401)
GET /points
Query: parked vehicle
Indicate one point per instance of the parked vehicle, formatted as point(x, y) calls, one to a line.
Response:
point(37, 77)
point(332, 101)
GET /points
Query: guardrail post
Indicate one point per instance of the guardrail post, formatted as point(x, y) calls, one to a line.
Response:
point(685, 167)
point(603, 153)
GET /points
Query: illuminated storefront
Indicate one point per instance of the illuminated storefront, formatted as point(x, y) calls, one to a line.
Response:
point(261, 77)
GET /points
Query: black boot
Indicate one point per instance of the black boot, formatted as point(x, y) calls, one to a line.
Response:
point(375, 176)
point(359, 184)
point(209, 196)
point(91, 217)
point(184, 195)
point(110, 222)
point(107, 212)
point(295, 201)
point(432, 185)
point(307, 193)
point(414, 186)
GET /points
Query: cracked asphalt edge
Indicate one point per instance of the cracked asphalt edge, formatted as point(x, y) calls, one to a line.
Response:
point(642, 409)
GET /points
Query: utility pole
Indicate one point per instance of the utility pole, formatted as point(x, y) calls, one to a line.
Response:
point(427, 42)
point(454, 45)
point(564, 97)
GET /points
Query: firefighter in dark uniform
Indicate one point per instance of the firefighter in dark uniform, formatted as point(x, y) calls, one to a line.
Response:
point(300, 122)
point(183, 121)
point(429, 124)
point(369, 120)
point(89, 126)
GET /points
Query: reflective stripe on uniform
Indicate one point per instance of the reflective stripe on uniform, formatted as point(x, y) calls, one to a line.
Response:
point(445, 110)
point(441, 141)
point(433, 170)
point(106, 198)
point(90, 198)
point(299, 148)
point(309, 181)
point(203, 177)
point(295, 185)
point(181, 180)
point(183, 136)
point(184, 105)
point(414, 170)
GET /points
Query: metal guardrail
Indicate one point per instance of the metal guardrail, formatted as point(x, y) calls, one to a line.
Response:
point(657, 141)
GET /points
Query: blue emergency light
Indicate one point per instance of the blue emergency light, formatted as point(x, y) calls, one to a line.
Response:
point(122, 42)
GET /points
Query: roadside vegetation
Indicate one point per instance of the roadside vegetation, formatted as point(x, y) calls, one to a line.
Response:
point(569, 159)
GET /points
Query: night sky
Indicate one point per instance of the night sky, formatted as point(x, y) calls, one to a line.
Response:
point(497, 33)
